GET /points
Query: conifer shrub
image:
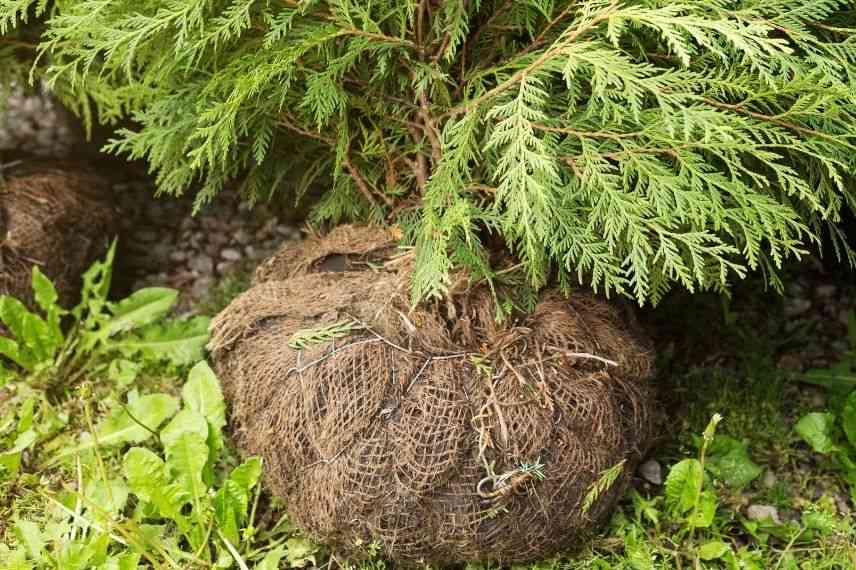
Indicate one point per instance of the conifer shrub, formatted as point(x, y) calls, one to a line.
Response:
point(631, 145)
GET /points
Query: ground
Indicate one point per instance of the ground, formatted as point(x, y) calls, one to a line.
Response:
point(752, 468)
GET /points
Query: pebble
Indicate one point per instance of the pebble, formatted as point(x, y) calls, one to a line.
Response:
point(797, 307)
point(652, 472)
point(202, 264)
point(825, 290)
point(763, 513)
point(769, 481)
point(230, 254)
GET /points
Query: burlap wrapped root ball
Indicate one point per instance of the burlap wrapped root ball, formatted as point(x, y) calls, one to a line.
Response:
point(58, 216)
point(435, 431)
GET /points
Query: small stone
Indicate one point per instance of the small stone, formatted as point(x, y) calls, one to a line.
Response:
point(844, 316)
point(769, 481)
point(842, 505)
point(652, 472)
point(178, 256)
point(817, 399)
point(201, 287)
point(217, 239)
point(224, 267)
point(763, 513)
point(243, 237)
point(825, 290)
point(146, 235)
point(202, 264)
point(797, 307)
point(230, 254)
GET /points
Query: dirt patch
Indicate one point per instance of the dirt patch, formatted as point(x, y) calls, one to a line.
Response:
point(436, 431)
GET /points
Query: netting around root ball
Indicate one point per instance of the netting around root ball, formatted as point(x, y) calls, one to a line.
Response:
point(437, 432)
point(60, 218)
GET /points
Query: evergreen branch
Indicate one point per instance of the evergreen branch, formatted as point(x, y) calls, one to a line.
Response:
point(518, 76)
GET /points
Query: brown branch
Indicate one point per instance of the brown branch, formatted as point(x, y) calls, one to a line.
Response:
point(420, 165)
point(590, 134)
point(544, 58)
point(430, 128)
point(776, 121)
point(540, 38)
point(18, 43)
point(286, 121)
point(362, 183)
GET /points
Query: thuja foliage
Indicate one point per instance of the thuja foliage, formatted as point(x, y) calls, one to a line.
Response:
point(631, 145)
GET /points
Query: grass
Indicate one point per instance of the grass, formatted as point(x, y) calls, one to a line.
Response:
point(97, 509)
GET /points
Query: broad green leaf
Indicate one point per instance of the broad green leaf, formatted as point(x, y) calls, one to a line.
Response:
point(147, 478)
point(129, 561)
point(29, 535)
point(123, 372)
point(838, 377)
point(848, 418)
point(272, 559)
point(12, 313)
point(24, 441)
point(713, 550)
point(185, 421)
point(186, 456)
point(44, 291)
point(202, 393)
point(10, 463)
point(229, 505)
point(728, 460)
point(39, 339)
point(26, 414)
point(683, 484)
point(703, 513)
point(247, 474)
point(145, 417)
point(231, 502)
point(121, 428)
point(12, 350)
point(142, 308)
point(180, 342)
point(816, 429)
point(80, 555)
point(96, 286)
point(106, 497)
point(300, 552)
point(46, 298)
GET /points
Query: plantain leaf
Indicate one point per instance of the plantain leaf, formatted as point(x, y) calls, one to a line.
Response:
point(179, 342)
point(142, 308)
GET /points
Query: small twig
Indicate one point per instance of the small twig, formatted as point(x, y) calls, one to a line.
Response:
point(586, 355)
point(362, 183)
point(325, 461)
point(328, 355)
point(418, 374)
point(136, 421)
